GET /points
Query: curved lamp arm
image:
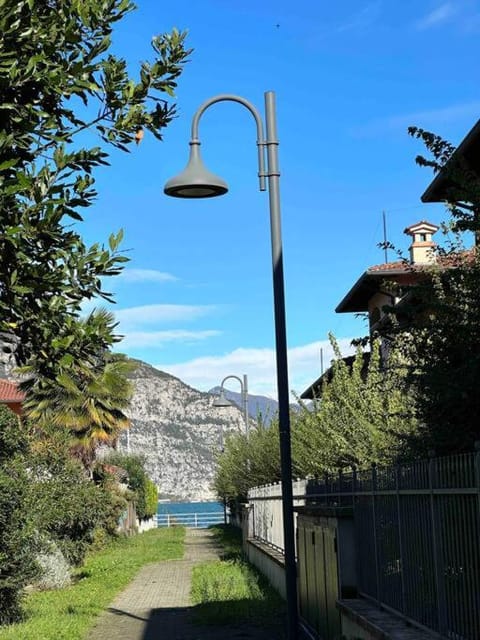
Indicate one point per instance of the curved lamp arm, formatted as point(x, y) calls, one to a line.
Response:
point(227, 97)
point(236, 378)
point(244, 389)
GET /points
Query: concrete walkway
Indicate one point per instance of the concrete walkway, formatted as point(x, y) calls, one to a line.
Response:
point(156, 605)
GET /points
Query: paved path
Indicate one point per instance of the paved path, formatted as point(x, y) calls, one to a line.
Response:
point(156, 605)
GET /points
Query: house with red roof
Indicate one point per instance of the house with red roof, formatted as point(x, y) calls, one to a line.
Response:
point(371, 295)
point(11, 396)
point(380, 287)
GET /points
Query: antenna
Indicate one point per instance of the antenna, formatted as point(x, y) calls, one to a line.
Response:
point(321, 361)
point(384, 216)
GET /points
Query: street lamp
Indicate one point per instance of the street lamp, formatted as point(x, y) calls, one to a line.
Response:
point(195, 181)
point(223, 401)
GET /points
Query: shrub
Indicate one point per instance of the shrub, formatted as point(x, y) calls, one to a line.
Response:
point(66, 505)
point(146, 495)
point(17, 542)
point(151, 498)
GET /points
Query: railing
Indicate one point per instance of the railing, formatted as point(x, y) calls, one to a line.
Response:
point(417, 531)
point(267, 516)
point(197, 520)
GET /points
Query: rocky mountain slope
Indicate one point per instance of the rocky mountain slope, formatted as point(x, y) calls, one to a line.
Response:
point(178, 431)
point(258, 406)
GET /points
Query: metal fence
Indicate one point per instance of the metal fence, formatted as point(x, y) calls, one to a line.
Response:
point(417, 531)
point(191, 520)
point(267, 516)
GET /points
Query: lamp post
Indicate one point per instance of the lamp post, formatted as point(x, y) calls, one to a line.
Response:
point(222, 401)
point(195, 181)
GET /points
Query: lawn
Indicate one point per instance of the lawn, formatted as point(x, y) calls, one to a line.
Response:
point(67, 614)
point(231, 591)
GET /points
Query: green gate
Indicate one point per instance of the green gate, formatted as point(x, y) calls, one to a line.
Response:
point(326, 567)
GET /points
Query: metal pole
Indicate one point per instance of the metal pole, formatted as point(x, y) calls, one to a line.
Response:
point(245, 402)
point(273, 174)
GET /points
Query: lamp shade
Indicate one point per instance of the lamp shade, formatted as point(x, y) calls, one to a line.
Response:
point(222, 401)
point(195, 181)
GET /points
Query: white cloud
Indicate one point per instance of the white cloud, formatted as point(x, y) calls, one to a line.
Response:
point(362, 19)
point(157, 339)
point(259, 365)
point(426, 118)
point(134, 317)
point(145, 275)
point(436, 17)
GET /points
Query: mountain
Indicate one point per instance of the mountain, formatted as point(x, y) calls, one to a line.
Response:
point(258, 406)
point(178, 431)
point(262, 406)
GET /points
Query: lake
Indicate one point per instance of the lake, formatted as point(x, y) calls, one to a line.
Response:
point(189, 514)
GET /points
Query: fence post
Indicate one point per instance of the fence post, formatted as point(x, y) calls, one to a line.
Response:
point(168, 519)
point(375, 541)
point(477, 475)
point(400, 535)
point(437, 554)
point(340, 487)
point(196, 521)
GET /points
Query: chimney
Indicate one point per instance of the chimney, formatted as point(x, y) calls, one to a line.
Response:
point(422, 247)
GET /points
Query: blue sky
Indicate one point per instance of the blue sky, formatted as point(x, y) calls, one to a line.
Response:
point(350, 77)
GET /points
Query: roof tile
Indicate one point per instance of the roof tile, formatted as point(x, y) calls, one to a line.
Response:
point(9, 392)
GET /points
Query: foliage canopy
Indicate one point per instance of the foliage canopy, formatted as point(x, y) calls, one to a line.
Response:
point(57, 80)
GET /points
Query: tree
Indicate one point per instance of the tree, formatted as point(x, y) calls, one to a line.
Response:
point(86, 397)
point(365, 414)
point(58, 80)
point(145, 491)
point(248, 462)
point(463, 186)
point(442, 346)
point(439, 333)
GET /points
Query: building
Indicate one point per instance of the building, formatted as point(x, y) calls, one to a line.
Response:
point(382, 287)
point(445, 187)
point(11, 396)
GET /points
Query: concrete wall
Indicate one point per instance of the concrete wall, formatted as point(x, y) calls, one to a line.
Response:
point(269, 562)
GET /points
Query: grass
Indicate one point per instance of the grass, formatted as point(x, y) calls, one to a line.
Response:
point(67, 614)
point(231, 591)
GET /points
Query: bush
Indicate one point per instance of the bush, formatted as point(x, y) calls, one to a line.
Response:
point(146, 494)
point(67, 506)
point(151, 498)
point(17, 541)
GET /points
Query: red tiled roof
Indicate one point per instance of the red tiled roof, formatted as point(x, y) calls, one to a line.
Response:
point(448, 260)
point(9, 392)
point(399, 265)
point(357, 298)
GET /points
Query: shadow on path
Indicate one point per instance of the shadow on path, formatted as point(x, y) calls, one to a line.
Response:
point(177, 623)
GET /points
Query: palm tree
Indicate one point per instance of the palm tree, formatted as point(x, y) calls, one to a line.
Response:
point(87, 397)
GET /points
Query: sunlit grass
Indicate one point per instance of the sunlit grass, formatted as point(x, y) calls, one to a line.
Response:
point(231, 591)
point(67, 614)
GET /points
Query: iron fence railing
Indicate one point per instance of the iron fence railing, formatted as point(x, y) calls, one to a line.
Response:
point(417, 530)
point(191, 520)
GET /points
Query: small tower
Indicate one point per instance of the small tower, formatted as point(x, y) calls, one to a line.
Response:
point(421, 249)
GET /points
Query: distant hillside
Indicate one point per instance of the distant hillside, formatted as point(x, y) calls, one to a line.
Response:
point(266, 408)
point(262, 406)
point(178, 431)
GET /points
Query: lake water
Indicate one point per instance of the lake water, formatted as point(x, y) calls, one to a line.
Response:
point(190, 514)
